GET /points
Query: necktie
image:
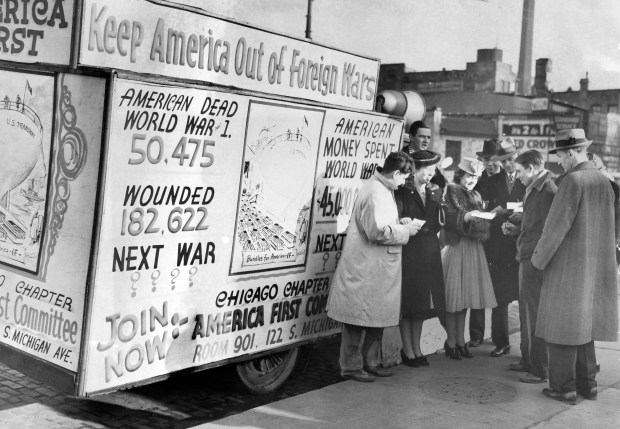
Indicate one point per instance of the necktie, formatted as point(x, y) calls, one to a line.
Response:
point(511, 181)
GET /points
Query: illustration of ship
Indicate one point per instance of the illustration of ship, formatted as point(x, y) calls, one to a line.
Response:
point(31, 193)
point(21, 134)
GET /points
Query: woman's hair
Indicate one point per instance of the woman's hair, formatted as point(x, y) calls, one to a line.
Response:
point(473, 197)
point(458, 175)
point(397, 161)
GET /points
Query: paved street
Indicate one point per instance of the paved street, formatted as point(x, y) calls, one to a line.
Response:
point(477, 392)
point(181, 402)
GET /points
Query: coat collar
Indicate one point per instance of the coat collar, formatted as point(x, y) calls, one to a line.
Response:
point(381, 178)
point(543, 177)
point(586, 165)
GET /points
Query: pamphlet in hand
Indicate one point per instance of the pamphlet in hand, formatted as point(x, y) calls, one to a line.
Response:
point(515, 207)
point(419, 222)
point(484, 215)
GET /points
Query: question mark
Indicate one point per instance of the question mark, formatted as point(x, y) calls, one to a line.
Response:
point(133, 283)
point(154, 278)
point(174, 276)
point(337, 258)
point(192, 272)
point(325, 259)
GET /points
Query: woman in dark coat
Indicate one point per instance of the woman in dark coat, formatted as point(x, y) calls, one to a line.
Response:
point(423, 292)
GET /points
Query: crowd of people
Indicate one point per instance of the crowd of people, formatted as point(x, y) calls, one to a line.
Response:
point(505, 230)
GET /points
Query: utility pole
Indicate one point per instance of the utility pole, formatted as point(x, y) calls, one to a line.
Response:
point(309, 21)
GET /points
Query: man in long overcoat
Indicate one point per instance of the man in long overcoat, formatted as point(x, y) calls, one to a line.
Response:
point(366, 291)
point(579, 298)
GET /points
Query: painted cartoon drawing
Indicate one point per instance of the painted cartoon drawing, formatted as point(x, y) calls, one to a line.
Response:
point(25, 142)
point(277, 183)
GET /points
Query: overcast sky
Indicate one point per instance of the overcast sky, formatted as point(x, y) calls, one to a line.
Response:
point(578, 36)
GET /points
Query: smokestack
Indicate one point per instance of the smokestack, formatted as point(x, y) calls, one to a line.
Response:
point(525, 54)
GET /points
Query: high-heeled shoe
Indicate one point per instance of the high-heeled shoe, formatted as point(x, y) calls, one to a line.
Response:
point(421, 360)
point(452, 352)
point(408, 361)
point(464, 351)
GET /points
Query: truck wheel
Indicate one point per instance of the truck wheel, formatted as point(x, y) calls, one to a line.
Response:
point(265, 374)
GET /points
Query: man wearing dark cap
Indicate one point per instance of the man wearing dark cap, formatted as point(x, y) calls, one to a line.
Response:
point(579, 296)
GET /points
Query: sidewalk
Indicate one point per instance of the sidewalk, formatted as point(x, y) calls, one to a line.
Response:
point(471, 393)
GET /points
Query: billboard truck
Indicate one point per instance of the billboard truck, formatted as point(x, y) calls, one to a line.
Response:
point(175, 190)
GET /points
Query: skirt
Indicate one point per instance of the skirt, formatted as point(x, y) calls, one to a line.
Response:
point(466, 276)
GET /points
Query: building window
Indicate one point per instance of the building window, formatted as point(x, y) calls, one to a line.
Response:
point(453, 150)
point(613, 108)
point(596, 108)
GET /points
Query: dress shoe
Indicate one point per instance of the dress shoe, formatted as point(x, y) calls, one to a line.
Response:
point(361, 376)
point(499, 351)
point(452, 352)
point(475, 343)
point(421, 360)
point(464, 351)
point(531, 378)
point(568, 397)
point(591, 394)
point(378, 372)
point(519, 366)
point(409, 361)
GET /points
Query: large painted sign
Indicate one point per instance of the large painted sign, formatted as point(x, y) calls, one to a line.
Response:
point(36, 31)
point(224, 219)
point(47, 181)
point(140, 35)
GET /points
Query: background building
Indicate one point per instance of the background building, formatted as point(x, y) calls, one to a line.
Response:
point(465, 107)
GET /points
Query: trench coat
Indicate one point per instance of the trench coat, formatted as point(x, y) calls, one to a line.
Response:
point(500, 249)
point(579, 297)
point(366, 290)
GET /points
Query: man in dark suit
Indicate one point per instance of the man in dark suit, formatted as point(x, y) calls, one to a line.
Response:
point(500, 249)
point(491, 168)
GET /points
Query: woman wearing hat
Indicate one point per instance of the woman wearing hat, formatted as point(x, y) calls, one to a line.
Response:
point(423, 295)
point(465, 269)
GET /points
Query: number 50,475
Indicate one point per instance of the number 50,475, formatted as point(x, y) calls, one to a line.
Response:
point(153, 150)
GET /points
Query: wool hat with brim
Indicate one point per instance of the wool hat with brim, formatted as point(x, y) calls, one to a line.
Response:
point(489, 148)
point(569, 139)
point(471, 166)
point(425, 158)
point(507, 149)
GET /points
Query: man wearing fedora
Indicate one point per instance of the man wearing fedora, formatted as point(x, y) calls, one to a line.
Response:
point(491, 168)
point(489, 149)
point(500, 249)
point(579, 297)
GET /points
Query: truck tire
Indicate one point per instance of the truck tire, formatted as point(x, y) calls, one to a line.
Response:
point(266, 373)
